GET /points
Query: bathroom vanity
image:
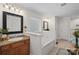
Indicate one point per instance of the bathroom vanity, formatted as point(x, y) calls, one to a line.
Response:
point(15, 46)
point(13, 23)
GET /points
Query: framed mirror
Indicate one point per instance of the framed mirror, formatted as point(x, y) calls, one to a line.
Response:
point(45, 26)
point(12, 22)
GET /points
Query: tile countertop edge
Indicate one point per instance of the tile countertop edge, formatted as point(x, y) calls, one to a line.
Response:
point(6, 42)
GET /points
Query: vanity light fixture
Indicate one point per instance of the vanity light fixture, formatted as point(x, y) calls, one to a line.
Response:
point(12, 7)
point(45, 19)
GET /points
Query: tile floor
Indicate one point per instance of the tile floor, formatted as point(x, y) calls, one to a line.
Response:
point(61, 48)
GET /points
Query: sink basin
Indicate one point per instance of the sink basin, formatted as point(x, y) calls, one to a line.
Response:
point(16, 39)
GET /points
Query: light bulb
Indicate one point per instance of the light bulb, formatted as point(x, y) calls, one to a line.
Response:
point(12, 8)
point(17, 10)
point(6, 6)
point(21, 11)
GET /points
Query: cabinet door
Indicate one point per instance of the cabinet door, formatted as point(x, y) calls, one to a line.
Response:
point(12, 51)
point(4, 49)
point(22, 50)
point(4, 53)
point(0, 50)
point(17, 51)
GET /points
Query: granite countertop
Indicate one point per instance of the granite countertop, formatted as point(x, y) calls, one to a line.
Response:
point(13, 40)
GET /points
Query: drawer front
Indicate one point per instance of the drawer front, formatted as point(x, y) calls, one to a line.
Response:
point(17, 44)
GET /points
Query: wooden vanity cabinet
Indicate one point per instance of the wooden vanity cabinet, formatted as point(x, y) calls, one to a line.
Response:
point(17, 48)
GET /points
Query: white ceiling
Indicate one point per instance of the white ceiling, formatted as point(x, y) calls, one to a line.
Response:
point(53, 9)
